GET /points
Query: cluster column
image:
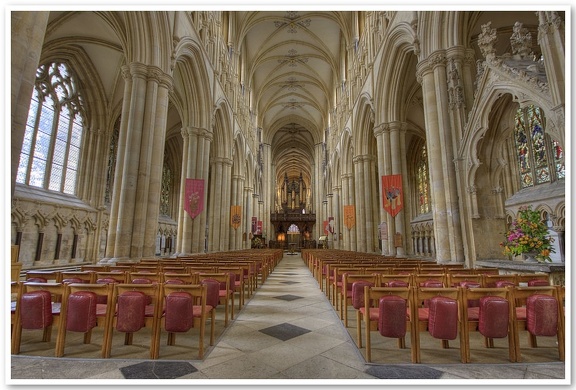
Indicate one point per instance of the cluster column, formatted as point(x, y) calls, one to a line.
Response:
point(133, 218)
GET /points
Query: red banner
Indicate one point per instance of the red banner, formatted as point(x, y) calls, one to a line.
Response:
point(254, 224)
point(392, 194)
point(194, 197)
point(259, 227)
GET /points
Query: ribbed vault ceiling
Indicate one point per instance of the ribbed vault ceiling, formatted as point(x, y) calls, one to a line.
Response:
point(292, 67)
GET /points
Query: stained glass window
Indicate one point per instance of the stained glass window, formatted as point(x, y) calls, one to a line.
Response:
point(540, 159)
point(53, 135)
point(422, 182)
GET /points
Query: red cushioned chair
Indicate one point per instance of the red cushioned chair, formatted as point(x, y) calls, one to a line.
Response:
point(184, 308)
point(439, 311)
point(226, 295)
point(358, 304)
point(136, 307)
point(346, 296)
point(389, 310)
point(540, 316)
point(492, 317)
point(84, 307)
point(212, 302)
point(37, 307)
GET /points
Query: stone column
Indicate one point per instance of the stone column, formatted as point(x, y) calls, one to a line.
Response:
point(318, 188)
point(196, 149)
point(425, 74)
point(352, 195)
point(398, 151)
point(127, 169)
point(247, 212)
point(158, 131)
point(345, 201)
point(329, 213)
point(26, 41)
point(382, 134)
point(360, 190)
point(268, 193)
point(551, 40)
point(336, 208)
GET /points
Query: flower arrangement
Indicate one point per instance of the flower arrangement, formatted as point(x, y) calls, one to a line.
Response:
point(528, 234)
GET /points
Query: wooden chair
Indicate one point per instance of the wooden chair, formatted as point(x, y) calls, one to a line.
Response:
point(38, 307)
point(487, 271)
point(95, 267)
point(538, 311)
point(81, 312)
point(456, 280)
point(88, 277)
point(438, 310)
point(144, 277)
point(493, 317)
point(15, 288)
point(532, 280)
point(184, 308)
point(173, 278)
point(238, 282)
point(429, 280)
point(389, 310)
point(346, 295)
point(43, 276)
point(111, 277)
point(137, 306)
point(225, 293)
point(491, 281)
point(338, 272)
point(388, 280)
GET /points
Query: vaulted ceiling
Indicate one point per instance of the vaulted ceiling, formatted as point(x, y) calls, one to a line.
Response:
point(292, 61)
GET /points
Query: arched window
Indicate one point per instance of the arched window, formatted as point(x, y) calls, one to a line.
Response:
point(540, 159)
point(112, 155)
point(422, 182)
point(51, 149)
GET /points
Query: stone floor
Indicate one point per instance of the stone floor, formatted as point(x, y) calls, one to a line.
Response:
point(287, 334)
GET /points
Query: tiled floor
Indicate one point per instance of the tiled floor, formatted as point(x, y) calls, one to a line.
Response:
point(287, 334)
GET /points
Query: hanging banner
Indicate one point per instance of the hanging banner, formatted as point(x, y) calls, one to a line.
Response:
point(259, 227)
point(325, 228)
point(331, 225)
point(254, 223)
point(349, 216)
point(235, 216)
point(392, 194)
point(194, 197)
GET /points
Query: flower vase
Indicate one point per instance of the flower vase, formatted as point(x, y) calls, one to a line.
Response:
point(530, 257)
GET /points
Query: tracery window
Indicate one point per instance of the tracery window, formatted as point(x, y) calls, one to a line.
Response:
point(167, 179)
point(51, 149)
point(540, 159)
point(422, 182)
